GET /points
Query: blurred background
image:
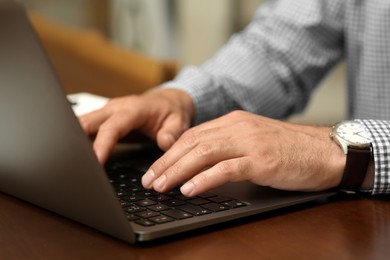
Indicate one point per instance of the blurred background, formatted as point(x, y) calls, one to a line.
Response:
point(142, 43)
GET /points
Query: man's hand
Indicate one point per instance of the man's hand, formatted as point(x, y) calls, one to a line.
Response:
point(244, 146)
point(161, 114)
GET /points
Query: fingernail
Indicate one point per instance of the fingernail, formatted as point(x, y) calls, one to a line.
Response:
point(160, 182)
point(187, 189)
point(148, 178)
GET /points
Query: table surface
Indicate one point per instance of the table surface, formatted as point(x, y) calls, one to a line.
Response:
point(342, 228)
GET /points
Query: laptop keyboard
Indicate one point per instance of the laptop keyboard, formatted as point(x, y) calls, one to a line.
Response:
point(149, 208)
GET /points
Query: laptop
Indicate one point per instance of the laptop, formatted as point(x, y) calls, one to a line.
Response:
point(47, 160)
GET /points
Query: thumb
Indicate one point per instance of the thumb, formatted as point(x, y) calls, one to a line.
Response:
point(170, 131)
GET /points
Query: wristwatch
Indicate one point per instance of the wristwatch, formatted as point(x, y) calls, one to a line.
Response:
point(356, 144)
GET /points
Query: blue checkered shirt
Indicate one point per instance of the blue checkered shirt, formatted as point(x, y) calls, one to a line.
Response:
point(273, 65)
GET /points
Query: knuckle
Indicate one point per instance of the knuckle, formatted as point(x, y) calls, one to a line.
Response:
point(175, 170)
point(234, 170)
point(237, 114)
point(204, 150)
point(116, 123)
point(200, 180)
point(226, 168)
point(243, 119)
point(109, 129)
point(112, 103)
point(107, 126)
point(85, 124)
point(242, 165)
point(248, 123)
point(189, 139)
point(160, 164)
point(120, 103)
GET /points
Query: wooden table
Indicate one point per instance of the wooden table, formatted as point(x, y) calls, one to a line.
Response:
point(343, 228)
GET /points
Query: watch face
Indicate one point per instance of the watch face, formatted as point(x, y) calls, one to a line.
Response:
point(352, 132)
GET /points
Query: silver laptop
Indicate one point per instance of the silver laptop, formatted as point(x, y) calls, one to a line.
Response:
point(47, 160)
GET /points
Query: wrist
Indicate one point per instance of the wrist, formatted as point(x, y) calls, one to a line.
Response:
point(337, 160)
point(331, 158)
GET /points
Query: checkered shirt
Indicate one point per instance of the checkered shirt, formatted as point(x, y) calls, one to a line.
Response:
point(272, 67)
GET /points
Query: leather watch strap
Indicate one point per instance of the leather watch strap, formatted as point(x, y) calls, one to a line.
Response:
point(355, 168)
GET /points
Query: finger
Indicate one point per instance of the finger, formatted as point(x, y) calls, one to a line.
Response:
point(91, 121)
point(163, 163)
point(171, 130)
point(187, 141)
point(202, 156)
point(233, 170)
point(109, 133)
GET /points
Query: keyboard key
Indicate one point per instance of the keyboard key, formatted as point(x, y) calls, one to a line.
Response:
point(215, 207)
point(160, 197)
point(121, 193)
point(161, 219)
point(176, 214)
point(174, 203)
point(145, 202)
point(173, 192)
point(207, 195)
point(234, 204)
point(118, 186)
point(131, 217)
point(144, 222)
point(132, 198)
point(158, 207)
point(198, 201)
point(134, 188)
point(124, 203)
point(146, 193)
point(219, 199)
point(194, 210)
point(134, 209)
point(147, 214)
point(182, 197)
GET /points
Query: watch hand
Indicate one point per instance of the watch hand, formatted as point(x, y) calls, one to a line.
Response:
point(361, 136)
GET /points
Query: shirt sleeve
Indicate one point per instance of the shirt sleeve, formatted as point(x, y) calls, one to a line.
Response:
point(379, 131)
point(272, 66)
